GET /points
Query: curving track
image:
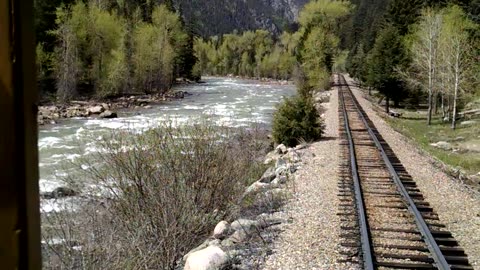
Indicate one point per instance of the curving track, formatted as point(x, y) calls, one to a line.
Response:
point(386, 222)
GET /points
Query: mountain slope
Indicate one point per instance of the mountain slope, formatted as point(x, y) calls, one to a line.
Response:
point(214, 17)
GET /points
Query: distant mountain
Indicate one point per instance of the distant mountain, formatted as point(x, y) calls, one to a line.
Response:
point(214, 17)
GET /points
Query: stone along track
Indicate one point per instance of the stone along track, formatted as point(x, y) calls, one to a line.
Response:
point(386, 222)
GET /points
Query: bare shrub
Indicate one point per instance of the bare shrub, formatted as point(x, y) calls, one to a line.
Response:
point(163, 192)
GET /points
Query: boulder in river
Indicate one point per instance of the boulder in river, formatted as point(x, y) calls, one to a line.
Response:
point(60, 192)
point(179, 94)
point(95, 110)
point(108, 114)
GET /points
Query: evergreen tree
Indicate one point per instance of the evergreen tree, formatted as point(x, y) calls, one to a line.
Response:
point(169, 5)
point(387, 56)
point(404, 13)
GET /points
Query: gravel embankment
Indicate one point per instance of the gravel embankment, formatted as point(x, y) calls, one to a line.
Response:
point(457, 206)
point(311, 239)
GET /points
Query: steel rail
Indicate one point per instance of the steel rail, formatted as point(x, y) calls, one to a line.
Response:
point(439, 259)
point(367, 250)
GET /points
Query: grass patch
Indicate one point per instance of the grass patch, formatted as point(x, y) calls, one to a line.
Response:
point(464, 138)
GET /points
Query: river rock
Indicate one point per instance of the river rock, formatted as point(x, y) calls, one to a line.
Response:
point(244, 225)
point(60, 192)
point(239, 236)
point(280, 180)
point(210, 258)
point(179, 94)
point(442, 145)
point(108, 114)
point(271, 157)
point(255, 188)
point(227, 243)
point(281, 149)
point(95, 110)
point(268, 176)
point(293, 156)
point(322, 97)
point(280, 163)
point(468, 123)
point(301, 146)
point(221, 230)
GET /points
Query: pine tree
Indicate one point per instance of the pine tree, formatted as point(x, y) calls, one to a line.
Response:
point(170, 6)
point(402, 14)
point(386, 57)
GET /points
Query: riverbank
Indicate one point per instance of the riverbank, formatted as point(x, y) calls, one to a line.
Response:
point(106, 109)
point(51, 113)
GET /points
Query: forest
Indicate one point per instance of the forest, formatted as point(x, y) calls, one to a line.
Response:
point(410, 51)
point(416, 52)
point(104, 49)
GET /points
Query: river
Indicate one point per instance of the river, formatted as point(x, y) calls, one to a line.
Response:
point(227, 101)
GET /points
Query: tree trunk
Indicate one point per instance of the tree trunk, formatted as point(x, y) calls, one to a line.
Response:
point(443, 106)
point(387, 105)
point(457, 84)
point(429, 114)
point(454, 115)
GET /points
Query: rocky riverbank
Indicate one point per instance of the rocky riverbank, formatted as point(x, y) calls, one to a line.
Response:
point(249, 241)
point(240, 243)
point(51, 114)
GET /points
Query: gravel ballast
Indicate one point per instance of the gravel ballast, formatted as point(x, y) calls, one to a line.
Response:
point(310, 240)
point(457, 206)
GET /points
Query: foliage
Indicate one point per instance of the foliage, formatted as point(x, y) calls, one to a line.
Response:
point(296, 119)
point(319, 42)
point(340, 62)
point(105, 35)
point(154, 55)
point(68, 64)
point(107, 48)
point(43, 63)
point(251, 54)
point(442, 51)
point(424, 49)
point(458, 54)
point(319, 50)
point(324, 12)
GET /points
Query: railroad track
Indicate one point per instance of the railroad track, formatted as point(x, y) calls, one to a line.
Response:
point(386, 221)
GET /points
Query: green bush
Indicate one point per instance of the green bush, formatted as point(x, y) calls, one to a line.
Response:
point(297, 119)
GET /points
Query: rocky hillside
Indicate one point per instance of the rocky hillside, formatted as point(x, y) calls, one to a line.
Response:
point(214, 17)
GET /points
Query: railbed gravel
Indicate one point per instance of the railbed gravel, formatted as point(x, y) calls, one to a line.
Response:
point(311, 239)
point(457, 206)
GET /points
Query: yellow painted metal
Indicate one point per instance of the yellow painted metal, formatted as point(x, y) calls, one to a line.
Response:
point(19, 199)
